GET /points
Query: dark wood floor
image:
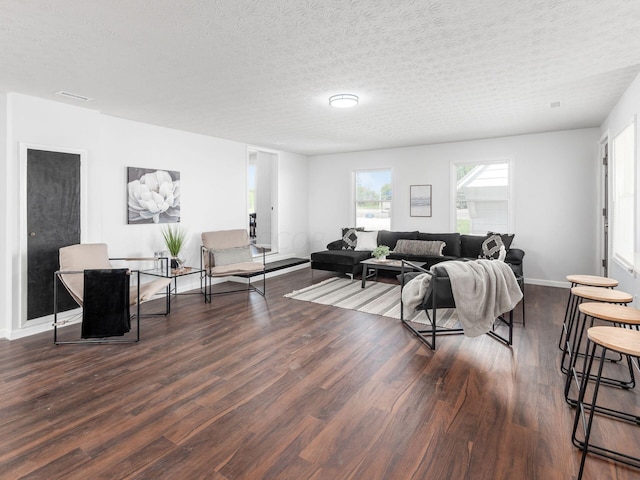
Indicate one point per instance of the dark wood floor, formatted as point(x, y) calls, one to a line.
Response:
point(273, 388)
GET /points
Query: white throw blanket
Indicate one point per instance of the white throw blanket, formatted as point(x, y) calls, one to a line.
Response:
point(482, 290)
point(414, 291)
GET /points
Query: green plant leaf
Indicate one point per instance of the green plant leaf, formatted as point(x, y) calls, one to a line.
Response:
point(174, 237)
point(380, 251)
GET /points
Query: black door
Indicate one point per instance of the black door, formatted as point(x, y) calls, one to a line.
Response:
point(53, 221)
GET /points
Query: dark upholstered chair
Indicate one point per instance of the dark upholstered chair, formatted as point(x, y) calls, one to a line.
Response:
point(439, 295)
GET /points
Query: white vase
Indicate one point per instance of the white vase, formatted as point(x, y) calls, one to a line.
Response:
point(381, 258)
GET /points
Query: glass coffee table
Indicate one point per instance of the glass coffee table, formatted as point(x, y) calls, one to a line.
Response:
point(371, 266)
point(164, 270)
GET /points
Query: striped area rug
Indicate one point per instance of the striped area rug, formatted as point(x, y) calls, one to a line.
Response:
point(377, 298)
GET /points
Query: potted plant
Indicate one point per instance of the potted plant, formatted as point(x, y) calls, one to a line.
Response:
point(380, 253)
point(174, 237)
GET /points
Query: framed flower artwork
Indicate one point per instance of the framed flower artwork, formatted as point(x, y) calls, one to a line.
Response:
point(153, 196)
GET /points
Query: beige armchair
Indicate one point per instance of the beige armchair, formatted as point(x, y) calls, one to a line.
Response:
point(227, 253)
point(105, 293)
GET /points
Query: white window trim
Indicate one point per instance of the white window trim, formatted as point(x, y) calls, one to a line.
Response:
point(632, 266)
point(454, 190)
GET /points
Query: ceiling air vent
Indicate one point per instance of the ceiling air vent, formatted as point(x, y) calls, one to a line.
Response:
point(75, 96)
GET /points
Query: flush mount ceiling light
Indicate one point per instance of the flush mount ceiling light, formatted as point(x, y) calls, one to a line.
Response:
point(343, 100)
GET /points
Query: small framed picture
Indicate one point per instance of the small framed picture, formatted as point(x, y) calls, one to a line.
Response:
point(420, 198)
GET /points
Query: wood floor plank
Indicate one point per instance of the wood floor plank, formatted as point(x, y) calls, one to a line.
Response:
point(62, 467)
point(102, 467)
point(282, 437)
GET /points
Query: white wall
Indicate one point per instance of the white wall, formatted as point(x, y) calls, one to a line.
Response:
point(622, 113)
point(293, 203)
point(555, 177)
point(213, 186)
point(212, 181)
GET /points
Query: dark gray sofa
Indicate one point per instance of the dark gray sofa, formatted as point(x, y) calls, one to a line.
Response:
point(457, 247)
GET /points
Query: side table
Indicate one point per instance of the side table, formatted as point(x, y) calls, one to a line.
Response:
point(174, 273)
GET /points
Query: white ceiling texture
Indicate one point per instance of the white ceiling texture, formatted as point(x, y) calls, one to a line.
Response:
point(262, 71)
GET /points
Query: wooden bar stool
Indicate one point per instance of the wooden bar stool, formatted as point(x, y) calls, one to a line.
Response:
point(614, 315)
point(624, 342)
point(585, 281)
point(594, 294)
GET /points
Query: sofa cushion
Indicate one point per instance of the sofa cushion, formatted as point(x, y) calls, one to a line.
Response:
point(385, 237)
point(366, 240)
point(432, 248)
point(451, 240)
point(471, 245)
point(349, 237)
point(340, 257)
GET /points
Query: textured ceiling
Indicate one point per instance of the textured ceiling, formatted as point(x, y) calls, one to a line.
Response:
point(261, 71)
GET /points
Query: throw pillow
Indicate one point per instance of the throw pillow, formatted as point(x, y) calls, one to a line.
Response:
point(349, 238)
point(366, 240)
point(451, 240)
point(492, 248)
point(233, 255)
point(428, 248)
point(507, 238)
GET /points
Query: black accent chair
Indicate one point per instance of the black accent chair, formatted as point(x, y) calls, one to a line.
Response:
point(439, 295)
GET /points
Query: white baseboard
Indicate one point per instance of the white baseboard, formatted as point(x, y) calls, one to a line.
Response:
point(45, 324)
point(274, 257)
point(302, 266)
point(546, 283)
point(30, 330)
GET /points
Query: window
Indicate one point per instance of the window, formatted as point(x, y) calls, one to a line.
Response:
point(624, 185)
point(372, 193)
point(483, 197)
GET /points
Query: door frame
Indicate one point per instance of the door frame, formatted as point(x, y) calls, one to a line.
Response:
point(275, 169)
point(22, 220)
point(604, 233)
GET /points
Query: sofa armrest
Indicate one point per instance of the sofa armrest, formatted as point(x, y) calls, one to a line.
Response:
point(514, 259)
point(335, 245)
point(514, 255)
